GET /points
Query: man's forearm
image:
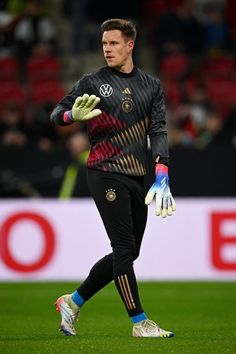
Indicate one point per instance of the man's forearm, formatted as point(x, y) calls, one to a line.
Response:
point(159, 147)
point(57, 115)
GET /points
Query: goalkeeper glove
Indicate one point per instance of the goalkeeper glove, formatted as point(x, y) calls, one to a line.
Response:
point(83, 109)
point(165, 204)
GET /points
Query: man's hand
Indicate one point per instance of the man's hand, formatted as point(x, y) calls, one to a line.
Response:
point(165, 204)
point(83, 108)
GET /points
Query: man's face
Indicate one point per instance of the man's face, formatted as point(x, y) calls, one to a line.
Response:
point(116, 48)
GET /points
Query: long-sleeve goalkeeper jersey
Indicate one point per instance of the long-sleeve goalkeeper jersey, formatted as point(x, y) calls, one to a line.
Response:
point(132, 108)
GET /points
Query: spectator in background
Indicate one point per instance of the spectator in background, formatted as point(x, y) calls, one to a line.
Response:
point(217, 31)
point(179, 30)
point(33, 28)
point(225, 135)
point(43, 135)
point(210, 131)
point(85, 17)
point(76, 12)
point(20, 129)
point(189, 119)
point(13, 129)
point(182, 130)
point(152, 10)
point(8, 23)
point(74, 182)
point(24, 26)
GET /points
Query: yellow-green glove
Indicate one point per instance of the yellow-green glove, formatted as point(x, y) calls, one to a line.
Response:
point(83, 108)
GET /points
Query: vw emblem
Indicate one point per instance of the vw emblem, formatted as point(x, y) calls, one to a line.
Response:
point(106, 90)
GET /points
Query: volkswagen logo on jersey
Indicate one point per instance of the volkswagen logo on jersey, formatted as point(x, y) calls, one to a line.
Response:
point(106, 90)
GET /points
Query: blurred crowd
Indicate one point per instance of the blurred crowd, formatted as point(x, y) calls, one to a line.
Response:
point(194, 49)
point(190, 45)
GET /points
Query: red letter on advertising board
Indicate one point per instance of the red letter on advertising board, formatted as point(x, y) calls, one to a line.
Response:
point(219, 240)
point(48, 237)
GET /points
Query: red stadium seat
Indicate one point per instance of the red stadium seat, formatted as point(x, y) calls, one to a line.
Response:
point(173, 93)
point(12, 92)
point(43, 68)
point(46, 91)
point(220, 67)
point(190, 86)
point(174, 66)
point(222, 93)
point(156, 8)
point(9, 69)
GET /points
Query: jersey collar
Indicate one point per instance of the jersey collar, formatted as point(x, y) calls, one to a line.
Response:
point(121, 74)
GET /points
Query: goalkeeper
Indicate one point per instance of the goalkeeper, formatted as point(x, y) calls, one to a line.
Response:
point(121, 106)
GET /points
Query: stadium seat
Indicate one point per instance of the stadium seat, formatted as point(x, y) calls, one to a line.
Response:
point(173, 93)
point(12, 92)
point(43, 68)
point(190, 86)
point(220, 67)
point(174, 66)
point(9, 69)
point(46, 91)
point(222, 93)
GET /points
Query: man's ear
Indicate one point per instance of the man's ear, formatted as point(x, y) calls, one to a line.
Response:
point(130, 45)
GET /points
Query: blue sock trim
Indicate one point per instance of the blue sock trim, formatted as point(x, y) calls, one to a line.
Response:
point(78, 299)
point(141, 317)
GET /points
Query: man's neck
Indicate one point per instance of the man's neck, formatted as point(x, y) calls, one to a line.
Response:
point(127, 67)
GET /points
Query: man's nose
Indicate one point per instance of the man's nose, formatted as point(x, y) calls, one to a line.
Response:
point(107, 48)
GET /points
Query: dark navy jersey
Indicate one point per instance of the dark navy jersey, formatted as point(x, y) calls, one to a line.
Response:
point(132, 107)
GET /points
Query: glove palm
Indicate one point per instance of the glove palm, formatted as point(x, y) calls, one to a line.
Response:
point(83, 108)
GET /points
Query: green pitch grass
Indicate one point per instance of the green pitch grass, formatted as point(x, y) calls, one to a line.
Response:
point(201, 314)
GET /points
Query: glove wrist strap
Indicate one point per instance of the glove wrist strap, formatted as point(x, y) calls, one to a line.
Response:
point(67, 117)
point(161, 169)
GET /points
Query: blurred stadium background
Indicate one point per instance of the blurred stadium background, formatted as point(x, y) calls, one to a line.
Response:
point(47, 219)
point(46, 46)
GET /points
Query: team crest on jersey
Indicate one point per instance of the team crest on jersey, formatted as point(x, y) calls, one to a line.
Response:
point(111, 195)
point(106, 90)
point(127, 105)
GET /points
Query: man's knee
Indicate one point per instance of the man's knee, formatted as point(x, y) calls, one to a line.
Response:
point(124, 256)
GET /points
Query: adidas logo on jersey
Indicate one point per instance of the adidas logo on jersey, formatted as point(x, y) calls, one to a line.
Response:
point(127, 91)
